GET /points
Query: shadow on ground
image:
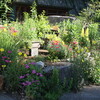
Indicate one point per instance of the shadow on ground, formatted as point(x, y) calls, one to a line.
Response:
point(88, 93)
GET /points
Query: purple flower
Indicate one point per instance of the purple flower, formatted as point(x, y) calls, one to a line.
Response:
point(7, 61)
point(27, 66)
point(27, 74)
point(37, 73)
point(28, 83)
point(24, 84)
point(9, 51)
point(33, 71)
point(21, 77)
point(4, 57)
point(41, 75)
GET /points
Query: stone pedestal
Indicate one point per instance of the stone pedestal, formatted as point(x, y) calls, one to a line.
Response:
point(34, 48)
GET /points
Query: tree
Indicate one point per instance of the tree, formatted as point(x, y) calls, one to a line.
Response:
point(4, 8)
point(92, 12)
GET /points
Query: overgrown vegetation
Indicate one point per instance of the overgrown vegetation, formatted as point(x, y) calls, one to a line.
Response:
point(79, 43)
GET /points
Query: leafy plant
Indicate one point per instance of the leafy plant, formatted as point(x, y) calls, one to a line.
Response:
point(57, 50)
point(92, 12)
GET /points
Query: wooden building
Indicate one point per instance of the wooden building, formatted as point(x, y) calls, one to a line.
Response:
point(51, 7)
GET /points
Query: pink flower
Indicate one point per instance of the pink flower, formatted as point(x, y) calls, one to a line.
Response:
point(12, 28)
point(57, 47)
point(2, 27)
point(24, 84)
point(4, 57)
point(27, 74)
point(75, 42)
point(70, 49)
point(51, 47)
point(41, 75)
point(33, 71)
point(9, 51)
point(15, 31)
point(27, 66)
point(7, 61)
point(21, 77)
point(28, 83)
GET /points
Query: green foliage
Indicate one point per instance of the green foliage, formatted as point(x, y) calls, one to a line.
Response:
point(4, 9)
point(57, 50)
point(42, 25)
point(70, 30)
point(54, 87)
point(92, 12)
point(86, 70)
point(31, 81)
point(11, 77)
point(94, 32)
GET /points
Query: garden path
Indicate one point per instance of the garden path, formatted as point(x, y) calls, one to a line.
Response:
point(88, 93)
point(6, 96)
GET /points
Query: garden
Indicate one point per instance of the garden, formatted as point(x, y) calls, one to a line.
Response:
point(77, 43)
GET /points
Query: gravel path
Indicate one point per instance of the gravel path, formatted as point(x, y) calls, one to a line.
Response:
point(6, 96)
point(88, 93)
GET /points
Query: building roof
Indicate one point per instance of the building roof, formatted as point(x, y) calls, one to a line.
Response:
point(50, 3)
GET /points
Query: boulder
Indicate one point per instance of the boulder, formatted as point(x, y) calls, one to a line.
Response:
point(40, 64)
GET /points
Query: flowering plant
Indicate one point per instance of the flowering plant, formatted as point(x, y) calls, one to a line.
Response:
point(31, 79)
point(57, 49)
point(7, 57)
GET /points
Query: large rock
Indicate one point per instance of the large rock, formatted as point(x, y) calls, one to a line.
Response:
point(69, 74)
point(64, 71)
point(40, 64)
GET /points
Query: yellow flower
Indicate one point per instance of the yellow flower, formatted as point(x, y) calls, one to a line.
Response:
point(87, 32)
point(20, 53)
point(3, 66)
point(85, 48)
point(63, 42)
point(25, 55)
point(5, 30)
point(14, 34)
point(82, 33)
point(82, 50)
point(5, 24)
point(1, 49)
point(78, 51)
point(94, 42)
point(76, 48)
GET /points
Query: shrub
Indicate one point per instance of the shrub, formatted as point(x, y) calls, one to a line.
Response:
point(30, 80)
point(85, 70)
point(70, 31)
point(91, 13)
point(57, 50)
